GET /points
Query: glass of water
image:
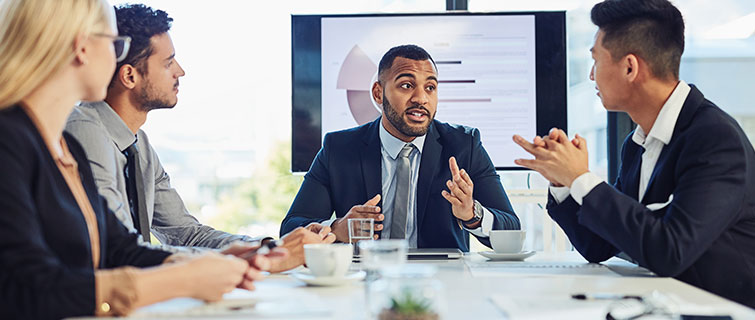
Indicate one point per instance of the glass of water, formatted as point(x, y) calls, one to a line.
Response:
point(359, 230)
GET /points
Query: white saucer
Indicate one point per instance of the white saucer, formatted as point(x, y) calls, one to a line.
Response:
point(492, 255)
point(312, 280)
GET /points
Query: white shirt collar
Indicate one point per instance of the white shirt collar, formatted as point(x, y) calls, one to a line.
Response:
point(663, 127)
point(393, 145)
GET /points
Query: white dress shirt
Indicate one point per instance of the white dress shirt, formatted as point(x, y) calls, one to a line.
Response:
point(653, 143)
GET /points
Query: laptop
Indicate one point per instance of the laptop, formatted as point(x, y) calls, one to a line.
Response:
point(434, 254)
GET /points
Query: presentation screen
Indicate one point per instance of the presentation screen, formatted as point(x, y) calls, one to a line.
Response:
point(503, 73)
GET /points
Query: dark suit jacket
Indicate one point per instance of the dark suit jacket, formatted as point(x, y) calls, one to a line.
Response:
point(706, 235)
point(347, 172)
point(45, 255)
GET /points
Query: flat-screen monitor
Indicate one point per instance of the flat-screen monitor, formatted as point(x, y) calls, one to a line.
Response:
point(503, 73)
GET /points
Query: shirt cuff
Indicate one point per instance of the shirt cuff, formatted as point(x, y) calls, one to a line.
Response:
point(487, 224)
point(115, 291)
point(583, 185)
point(328, 222)
point(559, 193)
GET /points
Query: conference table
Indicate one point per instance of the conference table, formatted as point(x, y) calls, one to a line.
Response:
point(473, 287)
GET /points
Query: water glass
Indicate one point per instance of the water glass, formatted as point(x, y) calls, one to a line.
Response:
point(359, 230)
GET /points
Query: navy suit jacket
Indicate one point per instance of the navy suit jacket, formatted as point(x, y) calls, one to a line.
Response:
point(45, 254)
point(347, 172)
point(706, 235)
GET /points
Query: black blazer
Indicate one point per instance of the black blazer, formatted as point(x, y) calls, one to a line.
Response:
point(706, 235)
point(347, 172)
point(45, 255)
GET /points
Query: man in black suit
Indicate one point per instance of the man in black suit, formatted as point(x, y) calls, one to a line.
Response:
point(403, 168)
point(682, 205)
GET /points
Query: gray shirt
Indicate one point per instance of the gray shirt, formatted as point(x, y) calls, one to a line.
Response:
point(105, 136)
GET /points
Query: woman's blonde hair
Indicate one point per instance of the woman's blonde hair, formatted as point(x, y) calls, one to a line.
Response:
point(37, 40)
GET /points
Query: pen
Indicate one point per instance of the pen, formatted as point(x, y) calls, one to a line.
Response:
point(603, 296)
point(264, 248)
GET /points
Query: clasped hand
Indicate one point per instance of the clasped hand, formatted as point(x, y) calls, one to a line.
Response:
point(557, 158)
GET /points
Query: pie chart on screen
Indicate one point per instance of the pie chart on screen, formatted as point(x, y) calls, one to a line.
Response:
point(356, 76)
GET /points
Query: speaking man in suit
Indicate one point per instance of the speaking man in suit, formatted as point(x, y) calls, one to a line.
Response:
point(403, 169)
point(682, 205)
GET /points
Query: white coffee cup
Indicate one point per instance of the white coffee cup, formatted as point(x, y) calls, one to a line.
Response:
point(507, 241)
point(328, 260)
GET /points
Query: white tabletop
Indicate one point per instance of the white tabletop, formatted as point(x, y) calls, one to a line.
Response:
point(474, 288)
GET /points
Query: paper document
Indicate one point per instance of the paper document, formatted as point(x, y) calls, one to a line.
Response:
point(519, 269)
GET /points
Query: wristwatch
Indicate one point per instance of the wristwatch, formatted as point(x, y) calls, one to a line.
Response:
point(477, 214)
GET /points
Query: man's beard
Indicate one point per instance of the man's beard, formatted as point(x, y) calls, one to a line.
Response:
point(150, 100)
point(400, 124)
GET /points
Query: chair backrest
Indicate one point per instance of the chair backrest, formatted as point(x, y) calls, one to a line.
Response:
point(542, 232)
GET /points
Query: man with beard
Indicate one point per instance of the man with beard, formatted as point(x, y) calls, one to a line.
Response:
point(399, 168)
point(126, 168)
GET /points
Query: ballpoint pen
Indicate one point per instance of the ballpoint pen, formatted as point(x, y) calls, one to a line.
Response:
point(603, 296)
point(264, 248)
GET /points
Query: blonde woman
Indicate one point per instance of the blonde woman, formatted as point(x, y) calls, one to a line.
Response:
point(61, 253)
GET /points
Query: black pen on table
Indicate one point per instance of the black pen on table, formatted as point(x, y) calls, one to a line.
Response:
point(264, 248)
point(603, 296)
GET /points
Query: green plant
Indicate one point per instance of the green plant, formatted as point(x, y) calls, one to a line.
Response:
point(410, 304)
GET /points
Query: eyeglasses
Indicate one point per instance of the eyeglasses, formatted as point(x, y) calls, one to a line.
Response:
point(121, 44)
point(653, 306)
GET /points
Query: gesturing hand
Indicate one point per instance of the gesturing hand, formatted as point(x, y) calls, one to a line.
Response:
point(557, 158)
point(368, 210)
point(459, 193)
point(294, 242)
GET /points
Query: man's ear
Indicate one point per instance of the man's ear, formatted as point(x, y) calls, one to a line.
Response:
point(80, 49)
point(127, 76)
point(377, 92)
point(631, 67)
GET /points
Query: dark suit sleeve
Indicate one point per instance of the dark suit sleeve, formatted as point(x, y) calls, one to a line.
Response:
point(34, 283)
point(313, 201)
point(590, 245)
point(709, 191)
point(488, 189)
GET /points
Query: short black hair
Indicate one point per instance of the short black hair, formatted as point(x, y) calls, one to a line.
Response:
point(650, 29)
point(141, 23)
point(408, 51)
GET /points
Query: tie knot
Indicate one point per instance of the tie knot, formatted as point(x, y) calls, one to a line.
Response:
point(132, 149)
point(406, 150)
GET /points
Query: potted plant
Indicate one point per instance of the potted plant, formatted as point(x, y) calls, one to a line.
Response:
point(409, 306)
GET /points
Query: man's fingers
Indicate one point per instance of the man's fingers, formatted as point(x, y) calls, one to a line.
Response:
point(532, 164)
point(455, 190)
point(453, 200)
point(238, 247)
point(531, 148)
point(462, 184)
point(374, 201)
point(582, 142)
point(277, 253)
point(330, 238)
point(558, 135)
point(260, 262)
point(538, 142)
point(365, 209)
point(453, 166)
point(466, 177)
point(324, 231)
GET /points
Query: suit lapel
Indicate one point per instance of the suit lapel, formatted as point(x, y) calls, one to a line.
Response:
point(370, 158)
point(693, 101)
point(428, 169)
point(631, 182)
